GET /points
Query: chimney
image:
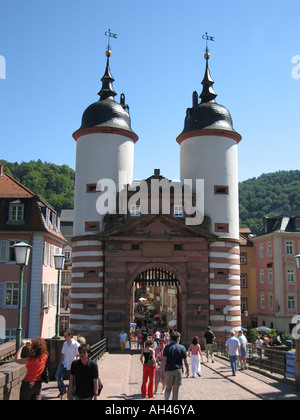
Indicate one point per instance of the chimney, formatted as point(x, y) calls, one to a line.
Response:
point(157, 172)
point(1, 170)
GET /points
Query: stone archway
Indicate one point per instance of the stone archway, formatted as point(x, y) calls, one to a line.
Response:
point(162, 274)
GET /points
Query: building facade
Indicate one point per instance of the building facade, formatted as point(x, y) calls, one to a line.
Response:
point(133, 241)
point(278, 280)
point(25, 217)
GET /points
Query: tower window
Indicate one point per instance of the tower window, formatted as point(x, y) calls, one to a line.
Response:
point(135, 211)
point(135, 247)
point(92, 226)
point(178, 247)
point(222, 227)
point(178, 210)
point(221, 189)
point(92, 188)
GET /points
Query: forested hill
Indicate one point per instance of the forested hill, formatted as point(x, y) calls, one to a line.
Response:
point(53, 183)
point(268, 195)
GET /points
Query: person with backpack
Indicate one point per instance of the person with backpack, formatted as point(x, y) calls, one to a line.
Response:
point(209, 344)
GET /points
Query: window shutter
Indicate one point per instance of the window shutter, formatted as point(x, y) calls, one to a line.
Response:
point(2, 289)
point(3, 251)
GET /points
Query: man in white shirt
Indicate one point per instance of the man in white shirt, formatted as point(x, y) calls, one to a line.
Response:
point(234, 351)
point(69, 353)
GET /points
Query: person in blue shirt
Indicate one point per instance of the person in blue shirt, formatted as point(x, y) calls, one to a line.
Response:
point(174, 356)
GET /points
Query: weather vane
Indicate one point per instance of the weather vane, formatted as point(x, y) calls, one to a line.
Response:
point(109, 35)
point(207, 38)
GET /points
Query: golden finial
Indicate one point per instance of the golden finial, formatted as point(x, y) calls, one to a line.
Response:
point(109, 35)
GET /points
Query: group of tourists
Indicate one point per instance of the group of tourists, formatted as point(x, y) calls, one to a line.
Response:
point(84, 381)
point(165, 364)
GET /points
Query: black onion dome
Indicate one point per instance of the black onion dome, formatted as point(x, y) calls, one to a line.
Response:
point(107, 112)
point(208, 114)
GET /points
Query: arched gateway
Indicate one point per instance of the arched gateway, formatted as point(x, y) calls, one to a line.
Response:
point(156, 302)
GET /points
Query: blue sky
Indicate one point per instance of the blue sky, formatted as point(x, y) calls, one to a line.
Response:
point(55, 57)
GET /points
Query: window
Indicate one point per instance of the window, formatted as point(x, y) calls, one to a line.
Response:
point(9, 295)
point(269, 249)
point(92, 226)
point(262, 276)
point(222, 227)
point(46, 253)
point(92, 188)
point(261, 251)
point(45, 295)
point(262, 300)
point(270, 275)
point(290, 276)
point(289, 248)
point(178, 247)
point(16, 212)
point(7, 252)
point(221, 189)
point(291, 303)
point(243, 258)
point(178, 211)
point(135, 247)
point(135, 210)
point(244, 304)
point(243, 280)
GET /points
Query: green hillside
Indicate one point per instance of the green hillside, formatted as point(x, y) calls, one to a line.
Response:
point(53, 183)
point(268, 195)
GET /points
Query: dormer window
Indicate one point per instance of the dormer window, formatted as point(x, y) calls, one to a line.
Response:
point(16, 212)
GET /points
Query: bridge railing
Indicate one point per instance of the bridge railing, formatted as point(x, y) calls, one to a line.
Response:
point(98, 349)
point(264, 358)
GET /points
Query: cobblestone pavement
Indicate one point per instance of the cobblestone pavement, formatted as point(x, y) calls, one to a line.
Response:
point(121, 375)
point(211, 386)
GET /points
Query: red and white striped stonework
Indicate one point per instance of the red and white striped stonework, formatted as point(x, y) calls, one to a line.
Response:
point(87, 287)
point(225, 287)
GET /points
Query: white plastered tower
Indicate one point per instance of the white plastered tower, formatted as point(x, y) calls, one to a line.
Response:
point(208, 151)
point(105, 148)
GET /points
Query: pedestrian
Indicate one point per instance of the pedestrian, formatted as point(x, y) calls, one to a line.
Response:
point(234, 351)
point(209, 344)
point(81, 340)
point(173, 358)
point(144, 336)
point(159, 373)
point(84, 376)
point(35, 364)
point(69, 353)
point(244, 344)
point(123, 340)
point(259, 345)
point(195, 352)
point(157, 337)
point(148, 361)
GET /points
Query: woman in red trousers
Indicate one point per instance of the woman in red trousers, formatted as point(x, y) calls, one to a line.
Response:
point(148, 361)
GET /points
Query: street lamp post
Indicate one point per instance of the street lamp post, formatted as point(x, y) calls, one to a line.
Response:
point(59, 261)
point(22, 253)
point(297, 341)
